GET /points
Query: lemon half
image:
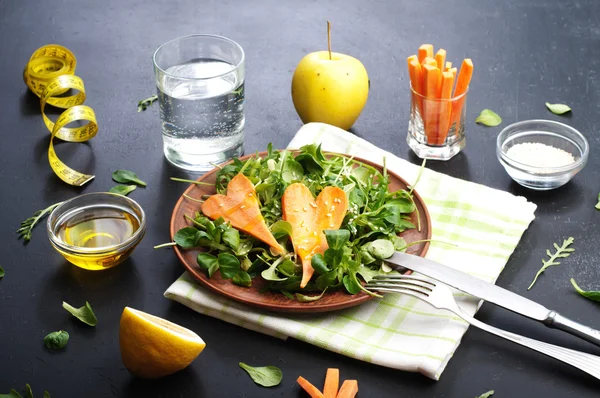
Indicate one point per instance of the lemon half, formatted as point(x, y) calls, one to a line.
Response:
point(152, 347)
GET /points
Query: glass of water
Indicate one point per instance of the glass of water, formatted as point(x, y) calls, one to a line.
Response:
point(200, 87)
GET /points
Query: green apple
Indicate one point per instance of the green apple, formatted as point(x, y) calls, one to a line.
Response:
point(330, 90)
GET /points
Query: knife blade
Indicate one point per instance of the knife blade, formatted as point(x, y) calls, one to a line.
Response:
point(472, 285)
point(494, 294)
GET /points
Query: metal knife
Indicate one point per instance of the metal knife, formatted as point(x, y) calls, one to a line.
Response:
point(494, 294)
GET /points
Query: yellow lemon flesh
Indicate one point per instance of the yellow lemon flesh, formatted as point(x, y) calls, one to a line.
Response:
point(152, 347)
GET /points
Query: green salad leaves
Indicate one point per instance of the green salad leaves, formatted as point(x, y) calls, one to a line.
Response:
point(368, 234)
point(85, 314)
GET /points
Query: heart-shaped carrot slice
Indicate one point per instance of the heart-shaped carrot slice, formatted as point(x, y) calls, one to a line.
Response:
point(241, 208)
point(309, 218)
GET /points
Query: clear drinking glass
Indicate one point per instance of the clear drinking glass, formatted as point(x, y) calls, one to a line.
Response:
point(200, 88)
point(436, 129)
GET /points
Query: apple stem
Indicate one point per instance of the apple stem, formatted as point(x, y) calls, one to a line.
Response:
point(329, 38)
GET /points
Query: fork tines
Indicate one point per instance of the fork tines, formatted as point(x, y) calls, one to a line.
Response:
point(407, 284)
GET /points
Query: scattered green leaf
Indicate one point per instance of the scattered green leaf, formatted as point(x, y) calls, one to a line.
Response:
point(11, 394)
point(488, 118)
point(590, 294)
point(126, 176)
point(558, 109)
point(56, 340)
point(145, 103)
point(85, 314)
point(28, 224)
point(561, 252)
point(28, 392)
point(266, 376)
point(46, 394)
point(122, 189)
point(486, 395)
point(598, 204)
point(1, 272)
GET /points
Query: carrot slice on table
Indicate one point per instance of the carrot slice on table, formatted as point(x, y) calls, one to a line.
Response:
point(432, 79)
point(332, 383)
point(462, 85)
point(309, 388)
point(440, 59)
point(309, 218)
point(241, 208)
point(448, 65)
point(426, 50)
point(445, 107)
point(349, 389)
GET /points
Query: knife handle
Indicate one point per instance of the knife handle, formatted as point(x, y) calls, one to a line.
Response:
point(557, 321)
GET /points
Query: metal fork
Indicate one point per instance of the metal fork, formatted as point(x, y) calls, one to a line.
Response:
point(440, 296)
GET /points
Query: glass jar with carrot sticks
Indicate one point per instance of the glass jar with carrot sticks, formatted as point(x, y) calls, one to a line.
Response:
point(436, 129)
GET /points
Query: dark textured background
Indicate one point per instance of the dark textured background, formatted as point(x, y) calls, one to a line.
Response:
point(525, 53)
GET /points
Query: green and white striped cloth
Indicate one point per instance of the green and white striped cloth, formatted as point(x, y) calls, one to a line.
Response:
point(397, 331)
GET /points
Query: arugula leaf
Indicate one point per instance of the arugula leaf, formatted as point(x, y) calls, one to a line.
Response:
point(242, 278)
point(122, 189)
point(125, 176)
point(266, 376)
point(145, 103)
point(308, 299)
point(558, 109)
point(85, 314)
point(561, 252)
point(229, 265)
point(1, 272)
point(486, 395)
point(488, 118)
point(590, 294)
point(56, 340)
point(11, 394)
point(28, 224)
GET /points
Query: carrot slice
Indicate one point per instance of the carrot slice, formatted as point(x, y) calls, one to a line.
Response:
point(432, 78)
point(241, 208)
point(462, 85)
point(448, 65)
point(440, 58)
point(445, 106)
point(349, 389)
point(309, 388)
point(426, 50)
point(332, 383)
point(309, 218)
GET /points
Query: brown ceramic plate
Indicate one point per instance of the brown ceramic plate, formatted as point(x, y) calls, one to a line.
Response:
point(273, 301)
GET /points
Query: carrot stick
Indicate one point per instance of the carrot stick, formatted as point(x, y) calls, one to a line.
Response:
point(429, 61)
point(349, 389)
point(445, 106)
point(440, 58)
point(332, 383)
point(448, 65)
point(416, 81)
point(309, 388)
point(426, 50)
point(462, 85)
point(432, 78)
point(454, 71)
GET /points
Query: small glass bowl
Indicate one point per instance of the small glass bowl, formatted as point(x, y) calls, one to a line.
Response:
point(80, 208)
point(546, 132)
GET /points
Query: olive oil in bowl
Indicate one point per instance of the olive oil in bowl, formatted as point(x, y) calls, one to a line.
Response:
point(96, 231)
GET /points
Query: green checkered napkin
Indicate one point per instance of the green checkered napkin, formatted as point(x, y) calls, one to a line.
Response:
point(397, 331)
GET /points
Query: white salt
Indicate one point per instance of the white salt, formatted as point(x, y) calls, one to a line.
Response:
point(539, 155)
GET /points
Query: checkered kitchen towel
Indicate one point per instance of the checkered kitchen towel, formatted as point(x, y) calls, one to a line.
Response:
point(397, 331)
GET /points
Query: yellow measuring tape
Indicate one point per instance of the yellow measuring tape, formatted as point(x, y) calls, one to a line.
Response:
point(49, 73)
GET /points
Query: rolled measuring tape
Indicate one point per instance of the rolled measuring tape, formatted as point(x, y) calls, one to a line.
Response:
point(49, 73)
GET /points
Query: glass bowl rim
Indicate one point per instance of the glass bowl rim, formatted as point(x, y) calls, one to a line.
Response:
point(548, 170)
point(121, 247)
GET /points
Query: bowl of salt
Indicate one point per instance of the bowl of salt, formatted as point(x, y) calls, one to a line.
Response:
point(541, 154)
